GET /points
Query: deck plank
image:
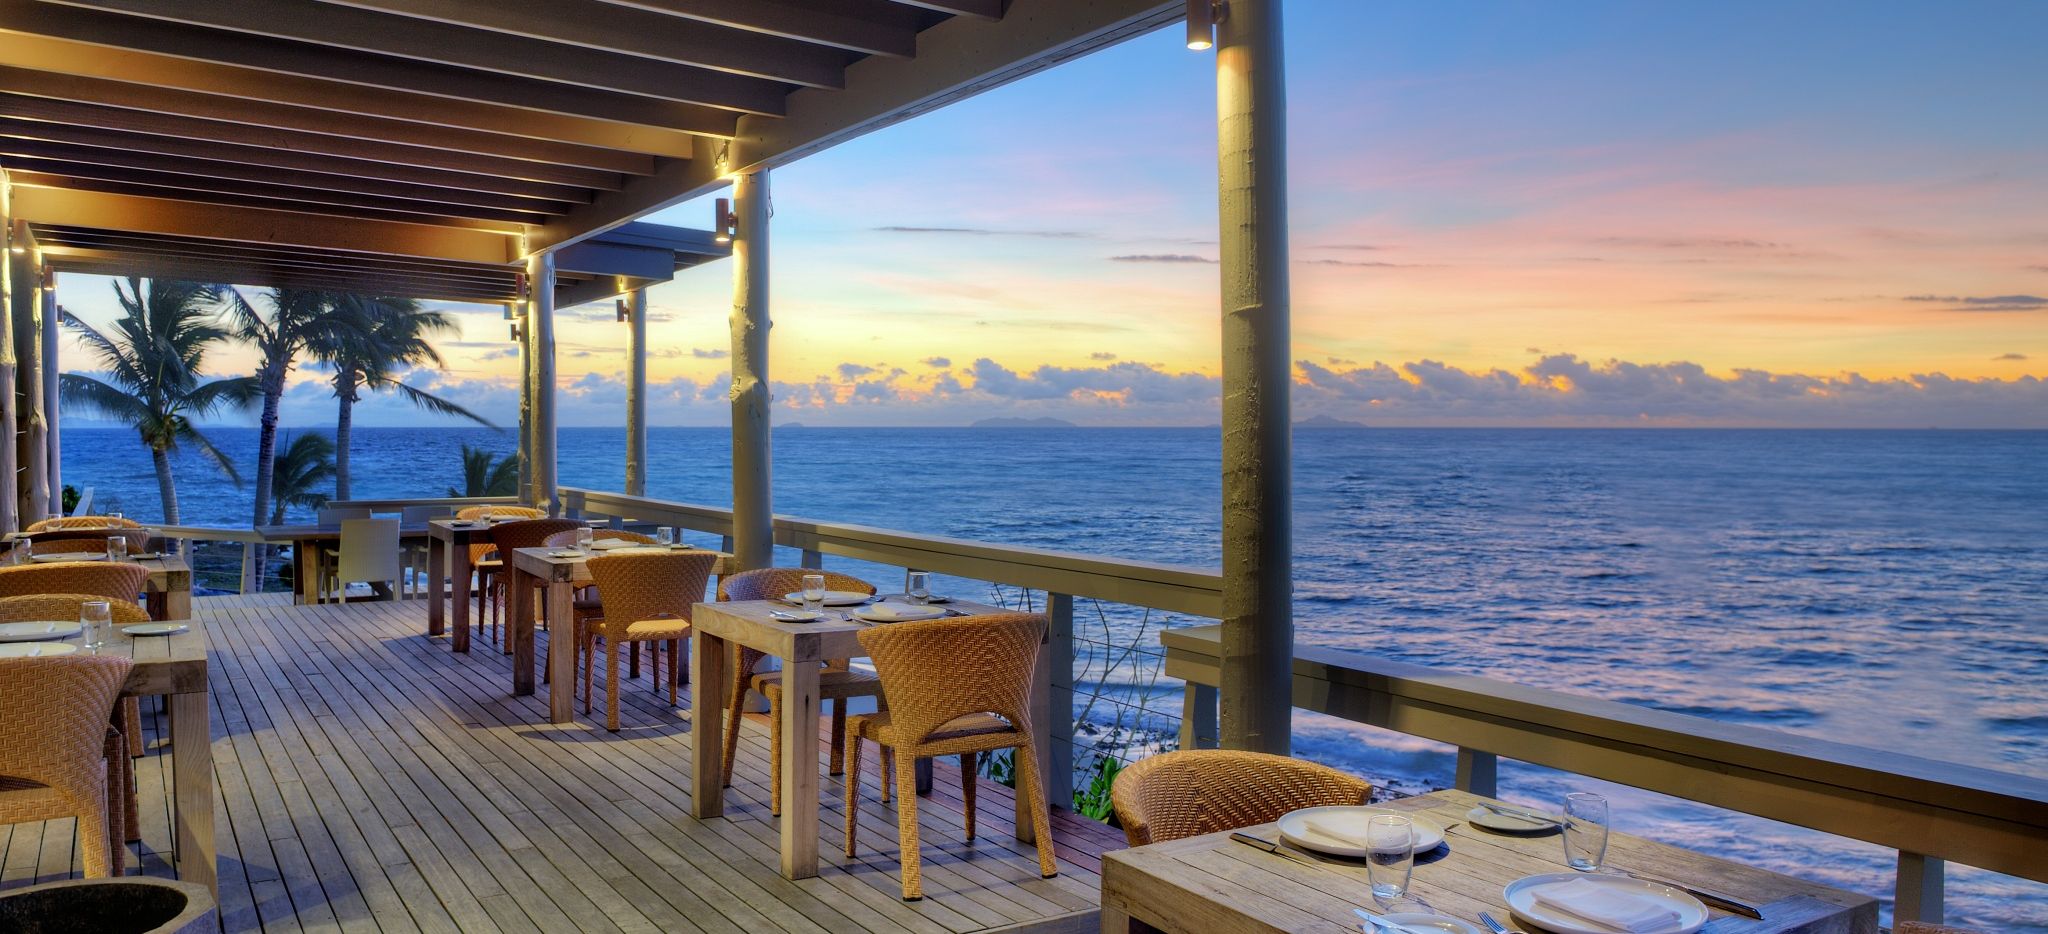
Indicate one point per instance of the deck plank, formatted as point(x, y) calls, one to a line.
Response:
point(368, 779)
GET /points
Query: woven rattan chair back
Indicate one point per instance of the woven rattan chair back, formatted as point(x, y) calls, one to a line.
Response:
point(54, 713)
point(118, 580)
point(66, 541)
point(83, 522)
point(1191, 792)
point(651, 586)
point(773, 583)
point(940, 670)
point(65, 606)
point(529, 533)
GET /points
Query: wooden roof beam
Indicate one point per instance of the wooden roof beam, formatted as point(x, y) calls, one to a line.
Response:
point(287, 126)
point(84, 238)
point(630, 31)
point(249, 275)
point(981, 9)
point(870, 27)
point(501, 281)
point(124, 48)
point(459, 46)
point(961, 57)
point(259, 194)
point(170, 217)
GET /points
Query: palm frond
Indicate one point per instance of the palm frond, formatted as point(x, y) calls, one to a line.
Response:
point(439, 406)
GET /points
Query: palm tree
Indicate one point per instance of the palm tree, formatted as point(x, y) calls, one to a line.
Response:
point(152, 362)
point(295, 317)
point(385, 336)
point(483, 477)
point(305, 464)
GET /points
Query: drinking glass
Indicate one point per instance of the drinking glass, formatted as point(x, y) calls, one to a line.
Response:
point(113, 520)
point(1390, 838)
point(583, 539)
point(1585, 831)
point(665, 535)
point(919, 588)
point(484, 515)
point(814, 592)
point(96, 617)
point(117, 548)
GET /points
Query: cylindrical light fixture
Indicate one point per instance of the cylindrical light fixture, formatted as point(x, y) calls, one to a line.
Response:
point(1201, 24)
point(723, 221)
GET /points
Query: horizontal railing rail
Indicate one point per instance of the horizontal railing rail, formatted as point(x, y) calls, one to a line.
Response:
point(247, 537)
point(395, 505)
point(1926, 809)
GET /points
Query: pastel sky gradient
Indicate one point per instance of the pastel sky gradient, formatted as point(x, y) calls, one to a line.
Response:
point(1503, 213)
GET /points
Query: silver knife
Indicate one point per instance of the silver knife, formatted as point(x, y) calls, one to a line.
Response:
point(1273, 848)
point(1716, 899)
point(1519, 813)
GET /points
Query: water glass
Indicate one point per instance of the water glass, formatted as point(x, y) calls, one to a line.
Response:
point(814, 592)
point(583, 539)
point(113, 520)
point(919, 587)
point(1390, 838)
point(1585, 831)
point(117, 548)
point(483, 515)
point(665, 535)
point(96, 617)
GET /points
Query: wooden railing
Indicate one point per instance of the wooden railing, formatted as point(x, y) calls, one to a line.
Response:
point(246, 580)
point(1928, 810)
point(397, 505)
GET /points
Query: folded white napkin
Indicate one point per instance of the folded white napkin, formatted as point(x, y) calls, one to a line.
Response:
point(898, 612)
point(607, 544)
point(1338, 835)
point(1607, 906)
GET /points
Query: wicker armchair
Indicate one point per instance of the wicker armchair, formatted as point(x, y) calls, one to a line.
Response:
point(959, 686)
point(66, 606)
point(89, 540)
point(483, 557)
point(645, 598)
point(835, 684)
point(116, 580)
point(83, 522)
point(58, 756)
point(1196, 791)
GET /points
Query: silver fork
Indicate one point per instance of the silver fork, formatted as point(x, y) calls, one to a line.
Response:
point(1495, 926)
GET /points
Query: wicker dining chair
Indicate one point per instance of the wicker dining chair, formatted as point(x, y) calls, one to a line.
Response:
point(82, 522)
point(69, 541)
point(483, 558)
point(1191, 792)
point(58, 755)
point(586, 603)
point(958, 686)
point(506, 537)
point(836, 684)
point(118, 580)
point(644, 598)
point(67, 606)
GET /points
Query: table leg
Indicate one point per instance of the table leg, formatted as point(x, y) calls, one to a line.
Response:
point(176, 602)
point(458, 600)
point(707, 724)
point(192, 773)
point(157, 605)
point(437, 560)
point(799, 768)
point(561, 652)
point(519, 631)
point(1040, 711)
point(307, 580)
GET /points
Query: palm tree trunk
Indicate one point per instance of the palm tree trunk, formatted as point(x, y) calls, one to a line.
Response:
point(344, 425)
point(165, 488)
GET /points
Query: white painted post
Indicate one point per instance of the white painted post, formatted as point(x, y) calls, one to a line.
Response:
point(1258, 622)
point(1478, 772)
point(1920, 889)
point(10, 516)
point(636, 395)
point(1198, 716)
point(53, 449)
point(753, 518)
point(523, 329)
point(26, 322)
point(540, 320)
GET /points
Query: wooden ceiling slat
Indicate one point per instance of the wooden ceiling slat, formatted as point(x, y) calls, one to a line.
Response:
point(628, 31)
point(181, 188)
point(272, 190)
point(48, 238)
point(459, 145)
point(982, 9)
point(237, 274)
point(73, 133)
point(462, 47)
point(873, 27)
point(13, 149)
point(125, 48)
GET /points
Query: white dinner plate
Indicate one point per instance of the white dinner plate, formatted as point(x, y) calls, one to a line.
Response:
point(565, 553)
point(833, 597)
point(69, 556)
point(1340, 830)
point(36, 649)
point(1424, 921)
point(797, 616)
point(607, 544)
point(39, 630)
point(898, 612)
point(155, 629)
point(1493, 820)
point(1520, 896)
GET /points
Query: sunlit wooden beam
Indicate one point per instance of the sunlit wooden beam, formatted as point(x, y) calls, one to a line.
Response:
point(873, 27)
point(308, 262)
point(38, 204)
point(635, 32)
point(103, 263)
point(124, 48)
point(260, 194)
point(447, 44)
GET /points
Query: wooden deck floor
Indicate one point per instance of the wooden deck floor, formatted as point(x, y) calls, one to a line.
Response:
point(369, 779)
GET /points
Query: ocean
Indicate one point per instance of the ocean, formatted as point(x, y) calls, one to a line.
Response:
point(1875, 587)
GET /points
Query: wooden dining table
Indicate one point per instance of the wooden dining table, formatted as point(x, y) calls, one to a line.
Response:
point(715, 628)
point(1213, 883)
point(168, 591)
point(175, 667)
point(559, 571)
point(448, 542)
point(307, 539)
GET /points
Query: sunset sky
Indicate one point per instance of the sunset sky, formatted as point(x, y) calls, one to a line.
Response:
point(1503, 213)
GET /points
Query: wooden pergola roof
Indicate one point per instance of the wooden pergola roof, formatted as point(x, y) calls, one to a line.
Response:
point(429, 145)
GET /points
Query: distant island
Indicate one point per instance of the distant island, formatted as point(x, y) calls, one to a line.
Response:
point(1023, 423)
point(1325, 421)
point(789, 425)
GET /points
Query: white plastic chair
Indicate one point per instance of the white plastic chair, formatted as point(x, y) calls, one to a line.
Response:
point(369, 553)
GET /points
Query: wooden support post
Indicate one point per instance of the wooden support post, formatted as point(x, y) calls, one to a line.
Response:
point(35, 427)
point(1198, 716)
point(52, 449)
point(10, 515)
point(753, 517)
point(1921, 884)
point(1258, 577)
point(1058, 726)
point(1478, 772)
point(636, 395)
point(540, 321)
point(813, 559)
point(522, 333)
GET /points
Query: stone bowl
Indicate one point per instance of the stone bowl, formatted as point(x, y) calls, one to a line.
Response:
point(127, 905)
